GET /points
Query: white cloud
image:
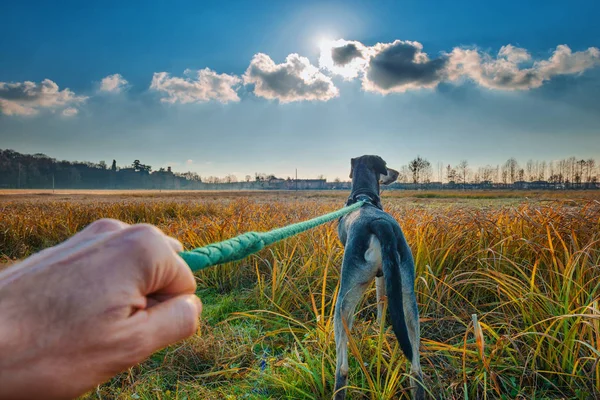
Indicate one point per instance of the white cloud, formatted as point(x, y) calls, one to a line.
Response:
point(70, 112)
point(206, 85)
point(505, 73)
point(564, 61)
point(514, 54)
point(294, 80)
point(27, 98)
point(113, 83)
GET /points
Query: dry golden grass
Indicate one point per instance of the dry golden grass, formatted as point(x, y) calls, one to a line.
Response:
point(526, 264)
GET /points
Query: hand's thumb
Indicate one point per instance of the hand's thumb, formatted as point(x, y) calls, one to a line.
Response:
point(173, 320)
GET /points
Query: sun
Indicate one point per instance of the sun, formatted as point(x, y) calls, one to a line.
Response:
point(324, 43)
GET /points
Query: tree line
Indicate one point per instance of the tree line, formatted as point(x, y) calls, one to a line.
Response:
point(39, 171)
point(566, 171)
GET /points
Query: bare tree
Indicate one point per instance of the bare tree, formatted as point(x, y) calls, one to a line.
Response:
point(541, 172)
point(463, 170)
point(590, 165)
point(512, 168)
point(403, 174)
point(487, 173)
point(450, 174)
point(530, 171)
point(230, 178)
point(417, 167)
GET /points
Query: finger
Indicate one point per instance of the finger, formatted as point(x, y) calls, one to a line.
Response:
point(170, 321)
point(175, 244)
point(97, 228)
point(154, 256)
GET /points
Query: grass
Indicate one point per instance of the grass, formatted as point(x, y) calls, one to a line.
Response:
point(525, 264)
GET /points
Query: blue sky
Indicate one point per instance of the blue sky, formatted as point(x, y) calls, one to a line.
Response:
point(450, 81)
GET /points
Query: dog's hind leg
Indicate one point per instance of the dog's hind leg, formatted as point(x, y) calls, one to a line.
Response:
point(352, 288)
point(411, 316)
point(380, 289)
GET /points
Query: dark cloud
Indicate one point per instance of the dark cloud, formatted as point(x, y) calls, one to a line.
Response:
point(400, 65)
point(345, 54)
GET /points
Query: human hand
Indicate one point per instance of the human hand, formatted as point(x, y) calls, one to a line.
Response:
point(74, 315)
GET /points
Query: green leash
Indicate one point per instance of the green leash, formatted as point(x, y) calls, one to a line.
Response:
point(249, 243)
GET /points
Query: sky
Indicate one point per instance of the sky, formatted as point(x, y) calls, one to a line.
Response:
point(273, 86)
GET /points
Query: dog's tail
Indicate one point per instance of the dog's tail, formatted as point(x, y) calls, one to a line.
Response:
point(393, 282)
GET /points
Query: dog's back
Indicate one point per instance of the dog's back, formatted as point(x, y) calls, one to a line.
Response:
point(377, 235)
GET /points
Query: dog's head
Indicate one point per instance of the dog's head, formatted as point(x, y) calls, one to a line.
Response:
point(376, 164)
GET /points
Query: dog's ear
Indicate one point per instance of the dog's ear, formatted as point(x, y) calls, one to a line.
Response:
point(379, 166)
point(352, 162)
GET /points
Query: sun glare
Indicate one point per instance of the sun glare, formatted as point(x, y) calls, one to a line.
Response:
point(324, 43)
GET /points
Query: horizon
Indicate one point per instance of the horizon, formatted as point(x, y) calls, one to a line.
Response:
point(271, 88)
point(567, 170)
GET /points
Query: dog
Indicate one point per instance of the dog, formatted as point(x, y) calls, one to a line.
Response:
point(375, 248)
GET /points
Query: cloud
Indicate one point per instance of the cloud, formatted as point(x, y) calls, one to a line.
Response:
point(505, 72)
point(564, 61)
point(199, 86)
point(70, 112)
point(400, 66)
point(113, 83)
point(27, 98)
point(345, 54)
point(294, 80)
point(345, 58)
point(514, 54)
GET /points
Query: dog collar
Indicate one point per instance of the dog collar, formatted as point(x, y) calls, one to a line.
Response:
point(364, 197)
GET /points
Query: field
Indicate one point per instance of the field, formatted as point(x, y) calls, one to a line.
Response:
point(526, 264)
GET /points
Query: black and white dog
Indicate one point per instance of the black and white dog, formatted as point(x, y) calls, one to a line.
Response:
point(374, 247)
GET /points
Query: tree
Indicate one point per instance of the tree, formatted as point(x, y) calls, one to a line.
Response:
point(102, 165)
point(450, 174)
point(113, 167)
point(590, 165)
point(512, 168)
point(138, 166)
point(530, 169)
point(248, 178)
point(417, 168)
point(463, 169)
point(542, 171)
point(403, 174)
point(487, 173)
point(230, 178)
